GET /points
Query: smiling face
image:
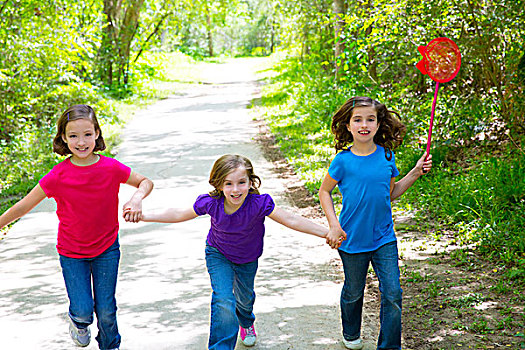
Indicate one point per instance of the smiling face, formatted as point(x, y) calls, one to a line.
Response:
point(363, 124)
point(235, 188)
point(80, 137)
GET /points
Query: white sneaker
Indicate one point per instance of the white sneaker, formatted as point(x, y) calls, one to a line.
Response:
point(81, 337)
point(353, 344)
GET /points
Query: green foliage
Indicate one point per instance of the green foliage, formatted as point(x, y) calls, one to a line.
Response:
point(40, 51)
point(476, 187)
point(50, 53)
point(485, 208)
point(26, 155)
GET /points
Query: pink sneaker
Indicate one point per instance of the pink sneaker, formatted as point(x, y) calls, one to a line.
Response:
point(248, 336)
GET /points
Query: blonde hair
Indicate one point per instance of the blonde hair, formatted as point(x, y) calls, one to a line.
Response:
point(224, 166)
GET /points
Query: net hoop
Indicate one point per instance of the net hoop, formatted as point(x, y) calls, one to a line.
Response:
point(441, 59)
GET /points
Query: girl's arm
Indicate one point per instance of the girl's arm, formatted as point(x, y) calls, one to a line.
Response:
point(422, 167)
point(23, 206)
point(170, 215)
point(297, 222)
point(132, 210)
point(336, 234)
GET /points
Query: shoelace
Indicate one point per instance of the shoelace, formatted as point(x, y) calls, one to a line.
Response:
point(250, 331)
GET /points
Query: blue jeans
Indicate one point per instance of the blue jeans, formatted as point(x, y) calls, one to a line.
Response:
point(232, 298)
point(103, 270)
point(385, 264)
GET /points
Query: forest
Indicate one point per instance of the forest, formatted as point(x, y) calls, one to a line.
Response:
point(116, 54)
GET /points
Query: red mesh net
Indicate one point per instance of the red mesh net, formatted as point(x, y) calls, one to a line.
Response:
point(441, 59)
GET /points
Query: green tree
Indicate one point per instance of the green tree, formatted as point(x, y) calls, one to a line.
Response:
point(121, 20)
point(44, 46)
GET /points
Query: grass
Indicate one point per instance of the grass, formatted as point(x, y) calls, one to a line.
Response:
point(446, 304)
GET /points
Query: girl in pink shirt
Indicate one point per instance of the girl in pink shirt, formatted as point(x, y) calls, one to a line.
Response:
point(85, 187)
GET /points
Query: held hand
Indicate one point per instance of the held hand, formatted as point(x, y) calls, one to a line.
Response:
point(132, 211)
point(424, 164)
point(129, 216)
point(335, 237)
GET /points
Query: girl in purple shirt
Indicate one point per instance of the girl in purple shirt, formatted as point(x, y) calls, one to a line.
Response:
point(234, 244)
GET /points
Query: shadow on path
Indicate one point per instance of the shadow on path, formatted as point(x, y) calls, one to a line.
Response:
point(163, 292)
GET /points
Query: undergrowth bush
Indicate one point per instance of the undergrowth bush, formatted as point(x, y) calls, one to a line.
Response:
point(483, 205)
point(481, 200)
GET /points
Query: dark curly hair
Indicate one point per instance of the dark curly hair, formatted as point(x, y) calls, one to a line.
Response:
point(76, 112)
point(224, 166)
point(389, 135)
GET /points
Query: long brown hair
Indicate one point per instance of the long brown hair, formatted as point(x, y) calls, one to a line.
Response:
point(76, 112)
point(224, 166)
point(389, 135)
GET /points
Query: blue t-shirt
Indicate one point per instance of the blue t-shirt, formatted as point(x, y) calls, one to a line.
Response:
point(364, 182)
point(239, 236)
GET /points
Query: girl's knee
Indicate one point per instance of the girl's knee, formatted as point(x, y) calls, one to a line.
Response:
point(223, 308)
point(393, 297)
point(351, 294)
point(223, 301)
point(395, 292)
point(106, 313)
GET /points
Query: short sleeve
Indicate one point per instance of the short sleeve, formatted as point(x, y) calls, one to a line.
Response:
point(336, 170)
point(267, 204)
point(48, 183)
point(202, 204)
point(122, 171)
point(395, 172)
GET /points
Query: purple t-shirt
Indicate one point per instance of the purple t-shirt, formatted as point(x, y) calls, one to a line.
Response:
point(238, 236)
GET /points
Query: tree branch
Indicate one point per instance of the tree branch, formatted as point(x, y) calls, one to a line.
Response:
point(155, 31)
point(3, 6)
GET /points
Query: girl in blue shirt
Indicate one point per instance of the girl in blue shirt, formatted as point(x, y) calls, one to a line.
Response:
point(366, 132)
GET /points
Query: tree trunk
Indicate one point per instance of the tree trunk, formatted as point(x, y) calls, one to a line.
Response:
point(209, 35)
point(521, 70)
point(118, 32)
point(339, 12)
point(106, 55)
point(272, 37)
point(128, 29)
point(372, 64)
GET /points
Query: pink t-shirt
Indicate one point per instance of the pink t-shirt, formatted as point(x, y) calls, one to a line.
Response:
point(87, 205)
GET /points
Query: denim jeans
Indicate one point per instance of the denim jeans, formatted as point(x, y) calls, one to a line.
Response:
point(232, 298)
point(103, 270)
point(385, 264)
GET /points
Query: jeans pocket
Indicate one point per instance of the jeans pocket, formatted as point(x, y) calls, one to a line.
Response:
point(210, 249)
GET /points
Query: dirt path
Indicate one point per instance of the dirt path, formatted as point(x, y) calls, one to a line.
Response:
point(163, 291)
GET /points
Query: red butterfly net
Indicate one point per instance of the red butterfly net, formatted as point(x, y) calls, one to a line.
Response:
point(441, 61)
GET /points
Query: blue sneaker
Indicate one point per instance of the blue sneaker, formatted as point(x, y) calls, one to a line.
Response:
point(80, 336)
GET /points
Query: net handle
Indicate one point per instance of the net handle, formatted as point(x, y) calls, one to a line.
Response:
point(432, 120)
